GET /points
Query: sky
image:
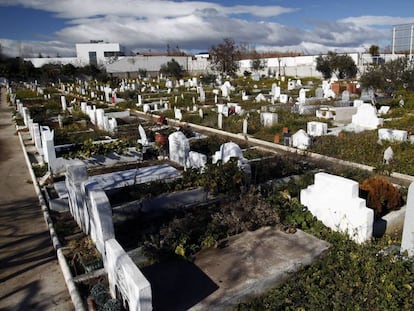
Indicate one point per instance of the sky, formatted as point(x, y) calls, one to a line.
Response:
point(53, 27)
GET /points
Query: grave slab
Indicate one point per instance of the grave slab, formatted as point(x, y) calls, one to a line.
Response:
point(253, 262)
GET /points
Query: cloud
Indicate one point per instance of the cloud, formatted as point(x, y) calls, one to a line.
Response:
point(196, 25)
point(369, 20)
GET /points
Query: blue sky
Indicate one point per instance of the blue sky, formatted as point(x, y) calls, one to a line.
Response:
point(51, 27)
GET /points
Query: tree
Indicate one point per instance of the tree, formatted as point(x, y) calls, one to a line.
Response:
point(343, 66)
point(374, 51)
point(395, 74)
point(172, 69)
point(257, 63)
point(225, 57)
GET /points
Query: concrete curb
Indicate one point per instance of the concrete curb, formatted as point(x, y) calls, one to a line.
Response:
point(70, 283)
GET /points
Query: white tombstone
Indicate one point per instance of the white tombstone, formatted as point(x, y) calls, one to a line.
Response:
point(245, 125)
point(139, 100)
point(112, 125)
point(388, 155)
point(146, 108)
point(144, 140)
point(315, 128)
point(201, 113)
point(225, 110)
point(392, 135)
point(179, 148)
point(383, 110)
point(302, 96)
point(366, 117)
point(334, 201)
point(345, 96)
point(260, 98)
point(283, 98)
point(202, 95)
point(224, 90)
point(220, 121)
point(178, 114)
point(231, 150)
point(48, 147)
point(63, 102)
point(197, 160)
point(83, 107)
point(268, 119)
point(291, 85)
point(407, 243)
point(100, 114)
point(301, 140)
point(220, 108)
point(37, 138)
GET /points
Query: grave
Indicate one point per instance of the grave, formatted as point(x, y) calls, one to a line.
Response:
point(301, 140)
point(334, 201)
point(268, 119)
point(366, 117)
point(407, 244)
point(179, 148)
point(392, 135)
point(315, 128)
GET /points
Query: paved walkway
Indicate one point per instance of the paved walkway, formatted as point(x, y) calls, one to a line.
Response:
point(30, 275)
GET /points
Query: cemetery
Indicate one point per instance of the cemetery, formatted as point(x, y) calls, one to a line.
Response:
point(152, 180)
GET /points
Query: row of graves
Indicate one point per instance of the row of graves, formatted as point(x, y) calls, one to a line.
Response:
point(87, 196)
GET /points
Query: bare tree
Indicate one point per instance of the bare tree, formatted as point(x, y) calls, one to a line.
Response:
point(225, 57)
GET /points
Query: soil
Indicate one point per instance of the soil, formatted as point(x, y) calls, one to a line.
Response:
point(30, 275)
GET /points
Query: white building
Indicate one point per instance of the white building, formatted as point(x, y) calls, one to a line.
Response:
point(94, 53)
point(98, 53)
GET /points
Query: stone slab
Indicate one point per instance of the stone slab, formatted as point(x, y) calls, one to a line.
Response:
point(253, 262)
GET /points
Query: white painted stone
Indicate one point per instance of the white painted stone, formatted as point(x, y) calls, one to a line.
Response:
point(63, 102)
point(301, 140)
point(245, 126)
point(383, 110)
point(220, 121)
point(268, 119)
point(334, 201)
point(124, 275)
point(177, 114)
point(366, 117)
point(388, 155)
point(283, 98)
point(407, 243)
point(302, 96)
point(179, 148)
point(315, 128)
point(144, 140)
point(392, 135)
point(146, 108)
point(260, 98)
point(196, 159)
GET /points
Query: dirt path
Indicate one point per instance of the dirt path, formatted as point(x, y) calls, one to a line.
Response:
point(30, 275)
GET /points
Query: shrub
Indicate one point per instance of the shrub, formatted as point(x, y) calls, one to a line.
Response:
point(381, 195)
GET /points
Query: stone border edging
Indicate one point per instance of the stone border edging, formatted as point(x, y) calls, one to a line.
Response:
point(70, 283)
